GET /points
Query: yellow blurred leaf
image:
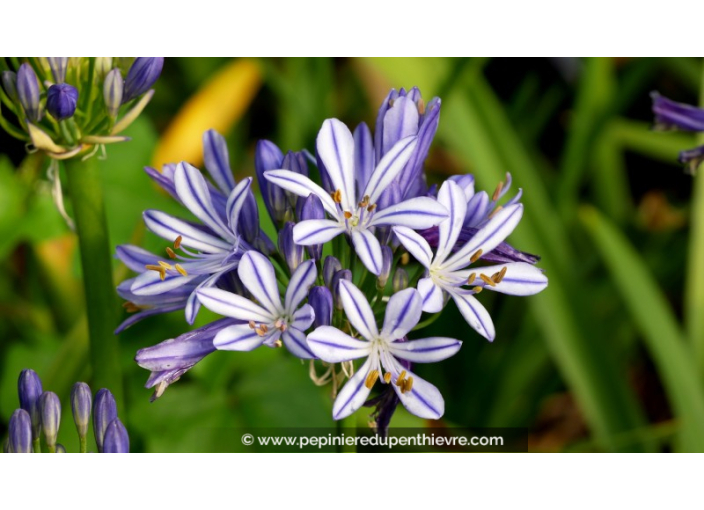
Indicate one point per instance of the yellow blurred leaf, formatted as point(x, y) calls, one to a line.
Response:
point(218, 105)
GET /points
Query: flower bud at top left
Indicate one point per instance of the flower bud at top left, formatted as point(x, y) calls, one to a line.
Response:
point(29, 389)
point(142, 75)
point(9, 84)
point(20, 432)
point(28, 92)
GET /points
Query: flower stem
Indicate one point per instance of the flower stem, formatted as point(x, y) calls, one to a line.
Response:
point(91, 226)
point(83, 445)
point(427, 322)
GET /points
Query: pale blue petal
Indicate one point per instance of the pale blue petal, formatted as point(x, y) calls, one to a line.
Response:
point(302, 186)
point(417, 213)
point(427, 350)
point(403, 312)
point(368, 249)
point(332, 345)
point(303, 318)
point(477, 209)
point(232, 305)
point(310, 232)
point(432, 295)
point(150, 283)
point(258, 275)
point(357, 309)
point(193, 303)
point(301, 280)
point(521, 279)
point(235, 202)
point(389, 167)
point(400, 121)
point(135, 257)
point(217, 160)
point(474, 313)
point(295, 342)
point(169, 228)
point(363, 156)
point(353, 394)
point(237, 338)
point(335, 146)
point(452, 198)
point(424, 400)
point(415, 244)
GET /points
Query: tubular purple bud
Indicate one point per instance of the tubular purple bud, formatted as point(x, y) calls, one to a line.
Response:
point(20, 432)
point(9, 84)
point(104, 412)
point(29, 388)
point(61, 101)
point(400, 281)
point(692, 158)
point(58, 68)
point(387, 258)
point(113, 88)
point(344, 274)
point(292, 252)
point(81, 403)
point(116, 438)
point(330, 266)
point(142, 75)
point(28, 92)
point(249, 223)
point(312, 209)
point(320, 298)
point(50, 406)
point(267, 156)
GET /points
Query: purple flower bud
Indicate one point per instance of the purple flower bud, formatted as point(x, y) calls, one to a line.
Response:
point(20, 432)
point(268, 156)
point(385, 406)
point(400, 281)
point(104, 412)
point(142, 75)
point(249, 221)
point(81, 402)
point(330, 266)
point(28, 92)
point(292, 252)
point(50, 406)
point(113, 87)
point(387, 258)
point(344, 274)
point(312, 209)
point(29, 388)
point(692, 158)
point(320, 298)
point(116, 438)
point(672, 115)
point(61, 101)
point(390, 196)
point(58, 68)
point(9, 84)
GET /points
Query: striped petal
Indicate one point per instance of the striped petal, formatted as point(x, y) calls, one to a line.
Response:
point(415, 244)
point(357, 309)
point(521, 279)
point(169, 228)
point(295, 342)
point(193, 303)
point(353, 394)
point(135, 257)
point(303, 317)
point(363, 156)
point(236, 201)
point(332, 345)
point(150, 283)
point(310, 232)
point(301, 280)
point(193, 191)
point(477, 207)
point(487, 238)
point(417, 213)
point(368, 249)
point(424, 400)
point(302, 186)
point(232, 305)
point(217, 160)
point(258, 275)
point(453, 199)
point(335, 146)
point(431, 295)
point(427, 350)
point(237, 338)
point(403, 312)
point(388, 168)
point(474, 313)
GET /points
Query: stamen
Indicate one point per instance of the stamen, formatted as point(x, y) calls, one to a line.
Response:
point(348, 215)
point(399, 380)
point(259, 331)
point(498, 191)
point(165, 265)
point(337, 196)
point(264, 328)
point(158, 269)
point(278, 344)
point(177, 242)
point(421, 106)
point(371, 378)
point(493, 213)
point(471, 278)
point(405, 259)
point(278, 323)
point(407, 385)
point(487, 280)
point(476, 256)
point(170, 253)
point(130, 307)
point(387, 377)
point(502, 273)
point(371, 208)
point(283, 327)
point(478, 289)
point(252, 325)
point(181, 270)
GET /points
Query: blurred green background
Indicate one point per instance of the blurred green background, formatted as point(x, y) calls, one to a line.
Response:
point(609, 358)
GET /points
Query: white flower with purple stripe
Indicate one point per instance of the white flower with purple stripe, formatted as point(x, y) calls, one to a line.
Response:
point(270, 320)
point(447, 272)
point(383, 350)
point(356, 216)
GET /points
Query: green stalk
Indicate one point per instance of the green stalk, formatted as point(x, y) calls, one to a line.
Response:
point(91, 226)
point(694, 283)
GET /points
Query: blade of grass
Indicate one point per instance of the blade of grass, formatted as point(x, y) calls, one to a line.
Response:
point(657, 323)
point(610, 178)
point(638, 137)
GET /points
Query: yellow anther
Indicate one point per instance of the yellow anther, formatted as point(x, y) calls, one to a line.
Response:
point(387, 377)
point(154, 267)
point(278, 344)
point(348, 215)
point(165, 265)
point(371, 208)
point(177, 242)
point(252, 325)
point(405, 259)
point(264, 328)
point(371, 378)
point(130, 307)
point(337, 196)
point(471, 278)
point(170, 253)
point(421, 106)
point(478, 289)
point(497, 192)
point(283, 327)
point(162, 275)
point(407, 385)
point(181, 270)
point(487, 280)
point(260, 331)
point(502, 273)
point(399, 380)
point(476, 256)
point(493, 213)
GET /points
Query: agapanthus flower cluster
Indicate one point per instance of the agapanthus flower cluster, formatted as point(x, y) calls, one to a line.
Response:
point(672, 115)
point(364, 249)
point(39, 416)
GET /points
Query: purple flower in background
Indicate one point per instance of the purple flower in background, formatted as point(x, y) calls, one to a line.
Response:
point(28, 92)
point(357, 218)
point(447, 273)
point(116, 439)
point(270, 320)
point(672, 115)
point(383, 351)
point(141, 76)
